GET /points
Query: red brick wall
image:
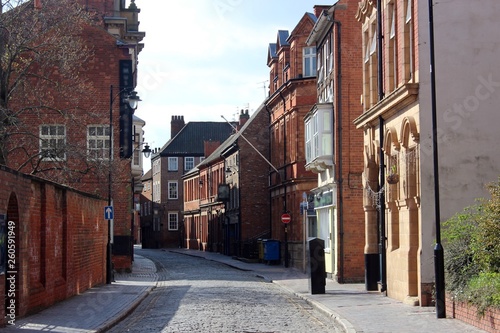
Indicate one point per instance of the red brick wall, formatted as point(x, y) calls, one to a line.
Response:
point(61, 240)
point(253, 178)
point(352, 143)
point(490, 322)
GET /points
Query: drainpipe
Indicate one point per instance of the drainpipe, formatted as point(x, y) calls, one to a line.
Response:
point(382, 237)
point(381, 220)
point(270, 157)
point(380, 38)
point(284, 178)
point(339, 154)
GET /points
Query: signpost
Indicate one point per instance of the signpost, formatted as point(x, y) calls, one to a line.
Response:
point(108, 213)
point(286, 218)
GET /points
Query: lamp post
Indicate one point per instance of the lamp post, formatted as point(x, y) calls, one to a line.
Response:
point(438, 249)
point(132, 99)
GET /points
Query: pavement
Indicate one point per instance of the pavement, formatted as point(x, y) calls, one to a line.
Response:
point(355, 309)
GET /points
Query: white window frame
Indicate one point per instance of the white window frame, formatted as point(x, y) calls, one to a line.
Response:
point(319, 134)
point(98, 143)
point(173, 164)
point(309, 61)
point(173, 221)
point(53, 142)
point(173, 194)
point(191, 161)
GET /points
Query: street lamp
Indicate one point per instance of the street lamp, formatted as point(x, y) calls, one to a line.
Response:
point(132, 100)
point(146, 150)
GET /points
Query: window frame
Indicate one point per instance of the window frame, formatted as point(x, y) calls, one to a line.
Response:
point(50, 137)
point(319, 134)
point(171, 194)
point(105, 150)
point(173, 163)
point(173, 225)
point(190, 158)
point(309, 62)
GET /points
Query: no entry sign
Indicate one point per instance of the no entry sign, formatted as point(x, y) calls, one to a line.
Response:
point(286, 218)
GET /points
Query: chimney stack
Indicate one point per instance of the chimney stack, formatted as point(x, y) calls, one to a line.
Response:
point(318, 9)
point(209, 147)
point(176, 124)
point(244, 116)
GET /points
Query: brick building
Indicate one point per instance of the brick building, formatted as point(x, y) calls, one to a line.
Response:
point(292, 94)
point(73, 141)
point(226, 202)
point(180, 154)
point(333, 145)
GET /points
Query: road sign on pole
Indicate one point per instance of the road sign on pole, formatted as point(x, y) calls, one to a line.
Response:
point(286, 218)
point(108, 213)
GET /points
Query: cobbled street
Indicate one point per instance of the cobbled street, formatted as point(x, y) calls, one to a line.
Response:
point(198, 295)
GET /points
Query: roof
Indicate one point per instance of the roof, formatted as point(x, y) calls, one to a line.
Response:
point(230, 141)
point(271, 52)
point(282, 38)
point(147, 176)
point(191, 138)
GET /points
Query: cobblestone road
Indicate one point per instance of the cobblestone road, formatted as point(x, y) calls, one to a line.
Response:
point(198, 295)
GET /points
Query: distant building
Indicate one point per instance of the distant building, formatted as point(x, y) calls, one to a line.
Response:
point(180, 154)
point(227, 199)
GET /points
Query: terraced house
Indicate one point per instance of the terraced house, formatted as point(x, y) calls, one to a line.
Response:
point(334, 147)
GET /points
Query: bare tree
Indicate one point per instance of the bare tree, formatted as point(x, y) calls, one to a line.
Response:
point(42, 52)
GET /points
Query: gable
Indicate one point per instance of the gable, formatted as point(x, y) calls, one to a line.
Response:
point(304, 26)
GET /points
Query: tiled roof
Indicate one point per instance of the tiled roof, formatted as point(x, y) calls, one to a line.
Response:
point(190, 140)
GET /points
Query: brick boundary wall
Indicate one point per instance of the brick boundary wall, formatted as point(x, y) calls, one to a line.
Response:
point(60, 242)
point(490, 322)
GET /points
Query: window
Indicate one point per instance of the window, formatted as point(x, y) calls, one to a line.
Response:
point(156, 166)
point(137, 151)
point(370, 92)
point(172, 190)
point(373, 45)
point(392, 51)
point(173, 164)
point(309, 61)
point(407, 55)
point(98, 142)
point(157, 191)
point(173, 221)
point(188, 163)
point(53, 142)
point(319, 134)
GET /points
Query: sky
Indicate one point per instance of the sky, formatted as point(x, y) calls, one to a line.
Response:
point(206, 58)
